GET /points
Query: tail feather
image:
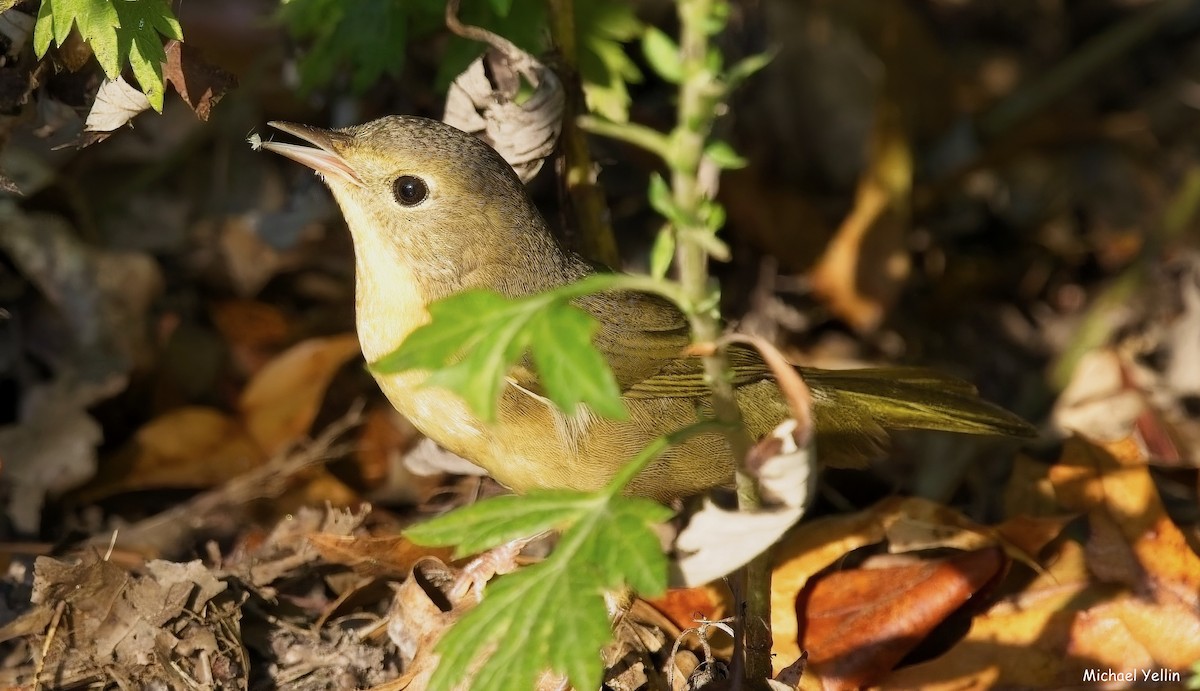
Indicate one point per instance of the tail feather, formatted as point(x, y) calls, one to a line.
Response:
point(870, 401)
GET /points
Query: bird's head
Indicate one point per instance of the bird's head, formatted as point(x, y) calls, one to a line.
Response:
point(435, 199)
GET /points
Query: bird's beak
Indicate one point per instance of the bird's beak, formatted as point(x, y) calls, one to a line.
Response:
point(324, 158)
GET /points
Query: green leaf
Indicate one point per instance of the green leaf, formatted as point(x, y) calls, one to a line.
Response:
point(714, 60)
point(493, 522)
point(722, 154)
point(474, 338)
point(502, 7)
point(711, 244)
point(97, 23)
point(365, 38)
point(551, 615)
point(602, 27)
point(662, 53)
point(746, 67)
point(718, 17)
point(542, 616)
point(139, 40)
point(663, 252)
point(661, 201)
point(573, 371)
point(713, 215)
point(118, 31)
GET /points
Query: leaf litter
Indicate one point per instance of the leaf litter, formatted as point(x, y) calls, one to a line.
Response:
point(1038, 568)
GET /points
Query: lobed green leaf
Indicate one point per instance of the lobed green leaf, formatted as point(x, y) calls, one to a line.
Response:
point(552, 615)
point(119, 32)
point(474, 338)
point(493, 522)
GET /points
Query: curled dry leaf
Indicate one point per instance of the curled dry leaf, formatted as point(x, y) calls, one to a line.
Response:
point(200, 83)
point(1099, 400)
point(1142, 387)
point(393, 555)
point(423, 608)
point(117, 102)
point(718, 541)
point(524, 131)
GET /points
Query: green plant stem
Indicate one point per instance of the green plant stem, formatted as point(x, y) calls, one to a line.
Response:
point(606, 282)
point(641, 136)
point(698, 100)
point(590, 212)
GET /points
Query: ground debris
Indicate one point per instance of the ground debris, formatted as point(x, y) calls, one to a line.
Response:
point(93, 622)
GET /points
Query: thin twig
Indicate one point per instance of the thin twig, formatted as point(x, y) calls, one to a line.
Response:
point(174, 525)
point(585, 196)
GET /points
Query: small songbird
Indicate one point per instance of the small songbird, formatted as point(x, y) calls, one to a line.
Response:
point(434, 211)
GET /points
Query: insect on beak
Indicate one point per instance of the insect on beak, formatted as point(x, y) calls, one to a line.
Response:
point(322, 156)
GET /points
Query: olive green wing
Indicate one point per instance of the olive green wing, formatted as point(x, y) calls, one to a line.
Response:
point(854, 408)
point(643, 338)
point(641, 335)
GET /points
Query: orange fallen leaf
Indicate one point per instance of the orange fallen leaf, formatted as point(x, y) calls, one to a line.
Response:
point(859, 623)
point(1020, 642)
point(1126, 600)
point(683, 606)
point(185, 448)
point(866, 264)
point(907, 524)
point(1113, 483)
point(281, 401)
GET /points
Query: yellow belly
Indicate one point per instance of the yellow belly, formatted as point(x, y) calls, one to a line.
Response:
point(531, 445)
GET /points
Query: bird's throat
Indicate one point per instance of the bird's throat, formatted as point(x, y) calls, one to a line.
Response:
point(390, 302)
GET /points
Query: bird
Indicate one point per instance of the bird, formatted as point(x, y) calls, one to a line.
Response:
point(434, 211)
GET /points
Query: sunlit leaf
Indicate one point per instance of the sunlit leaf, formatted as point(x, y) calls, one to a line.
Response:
point(722, 154)
point(662, 53)
point(662, 253)
point(551, 615)
point(474, 338)
point(124, 32)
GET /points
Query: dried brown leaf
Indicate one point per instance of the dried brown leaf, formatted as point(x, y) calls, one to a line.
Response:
point(117, 102)
point(200, 83)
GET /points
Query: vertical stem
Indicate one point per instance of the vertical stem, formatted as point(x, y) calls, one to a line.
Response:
point(698, 99)
point(585, 198)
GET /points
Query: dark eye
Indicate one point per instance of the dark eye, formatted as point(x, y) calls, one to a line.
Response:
point(410, 190)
